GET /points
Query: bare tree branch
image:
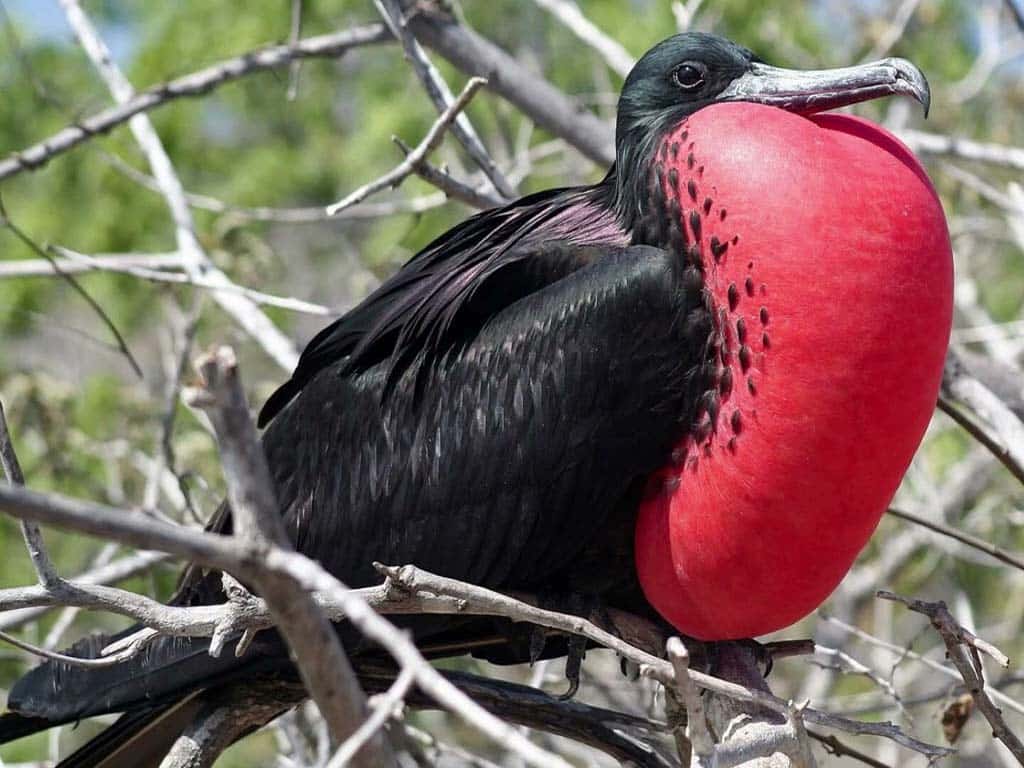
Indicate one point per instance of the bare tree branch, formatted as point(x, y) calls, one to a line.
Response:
point(278, 346)
point(222, 717)
point(965, 149)
point(570, 15)
point(697, 732)
point(440, 94)
point(211, 550)
point(894, 30)
point(45, 569)
point(28, 242)
point(964, 538)
point(198, 83)
point(541, 101)
point(302, 215)
point(184, 278)
point(224, 554)
point(960, 387)
point(114, 262)
point(956, 639)
point(257, 524)
point(901, 652)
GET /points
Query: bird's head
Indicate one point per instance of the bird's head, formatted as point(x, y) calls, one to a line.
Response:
point(689, 71)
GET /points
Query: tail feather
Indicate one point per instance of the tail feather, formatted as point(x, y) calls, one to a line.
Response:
point(139, 739)
point(163, 671)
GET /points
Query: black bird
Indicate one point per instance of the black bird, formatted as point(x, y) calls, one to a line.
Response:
point(492, 412)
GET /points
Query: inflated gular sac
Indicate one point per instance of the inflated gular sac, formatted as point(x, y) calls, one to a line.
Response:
point(829, 266)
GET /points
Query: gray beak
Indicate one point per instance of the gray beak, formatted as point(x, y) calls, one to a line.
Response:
point(811, 91)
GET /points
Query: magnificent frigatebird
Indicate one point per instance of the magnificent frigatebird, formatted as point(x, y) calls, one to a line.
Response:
point(551, 375)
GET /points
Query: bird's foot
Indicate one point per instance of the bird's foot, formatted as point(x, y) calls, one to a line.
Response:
point(589, 607)
point(740, 661)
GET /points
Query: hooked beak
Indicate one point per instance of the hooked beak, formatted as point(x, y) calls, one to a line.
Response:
point(811, 91)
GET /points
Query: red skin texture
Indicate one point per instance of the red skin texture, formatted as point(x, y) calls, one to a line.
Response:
point(851, 259)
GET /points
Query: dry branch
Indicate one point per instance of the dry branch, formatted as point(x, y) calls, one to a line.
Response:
point(964, 649)
point(538, 99)
point(222, 553)
point(45, 569)
point(441, 96)
point(964, 538)
point(129, 267)
point(258, 526)
point(278, 346)
point(197, 83)
point(570, 15)
point(1004, 434)
point(415, 158)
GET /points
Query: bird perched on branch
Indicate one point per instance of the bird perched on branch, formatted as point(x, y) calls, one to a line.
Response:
point(694, 385)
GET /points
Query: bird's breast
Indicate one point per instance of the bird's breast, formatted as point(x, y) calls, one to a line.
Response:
point(825, 259)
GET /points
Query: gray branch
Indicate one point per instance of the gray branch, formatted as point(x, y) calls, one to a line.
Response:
point(964, 650)
point(198, 83)
point(45, 569)
point(258, 526)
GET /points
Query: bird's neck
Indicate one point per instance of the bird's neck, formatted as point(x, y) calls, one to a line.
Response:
point(629, 187)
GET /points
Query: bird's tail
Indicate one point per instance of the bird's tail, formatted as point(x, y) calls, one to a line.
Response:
point(155, 689)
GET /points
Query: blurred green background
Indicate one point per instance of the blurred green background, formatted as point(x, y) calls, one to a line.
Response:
point(85, 425)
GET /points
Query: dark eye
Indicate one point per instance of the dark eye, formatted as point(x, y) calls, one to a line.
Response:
point(689, 76)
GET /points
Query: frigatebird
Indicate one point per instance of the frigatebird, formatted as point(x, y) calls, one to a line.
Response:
point(505, 407)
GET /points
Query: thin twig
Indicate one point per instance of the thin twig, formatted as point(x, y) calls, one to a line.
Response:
point(964, 538)
point(901, 652)
point(197, 83)
point(966, 149)
point(45, 569)
point(47, 267)
point(960, 387)
point(184, 278)
point(408, 165)
point(441, 96)
point(295, 65)
point(41, 599)
point(538, 99)
point(835, 747)
point(894, 30)
point(384, 708)
point(300, 215)
point(452, 187)
point(956, 639)
point(570, 16)
point(122, 345)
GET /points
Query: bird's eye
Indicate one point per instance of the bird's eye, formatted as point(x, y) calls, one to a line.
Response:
point(689, 76)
